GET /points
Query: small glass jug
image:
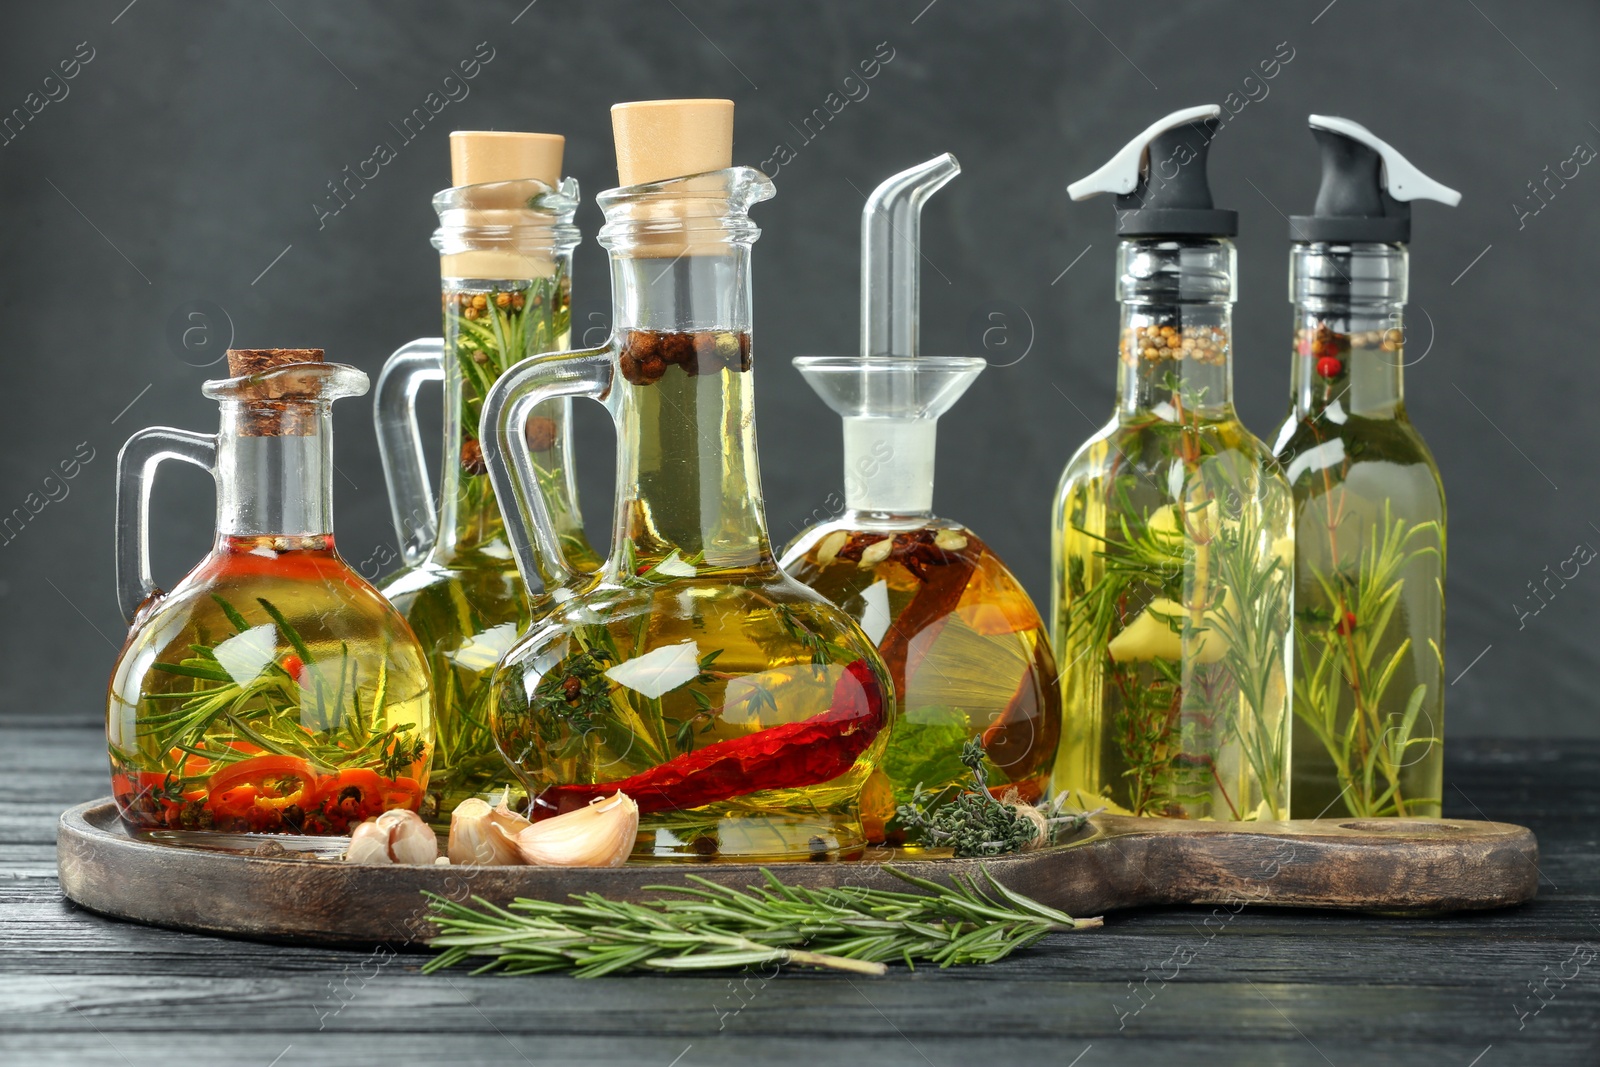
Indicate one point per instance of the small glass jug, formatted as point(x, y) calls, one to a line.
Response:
point(273, 690)
point(741, 710)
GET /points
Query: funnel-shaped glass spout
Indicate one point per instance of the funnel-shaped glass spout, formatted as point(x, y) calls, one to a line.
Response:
point(891, 407)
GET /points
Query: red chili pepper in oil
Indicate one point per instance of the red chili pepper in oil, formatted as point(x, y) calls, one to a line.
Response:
point(789, 756)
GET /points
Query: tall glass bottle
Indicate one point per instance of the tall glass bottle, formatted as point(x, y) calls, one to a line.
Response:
point(741, 710)
point(505, 239)
point(273, 690)
point(962, 640)
point(1173, 528)
point(1369, 505)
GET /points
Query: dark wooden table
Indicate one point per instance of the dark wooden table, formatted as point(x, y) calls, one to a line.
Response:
point(1170, 986)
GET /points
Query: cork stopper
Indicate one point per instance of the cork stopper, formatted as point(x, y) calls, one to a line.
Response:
point(276, 407)
point(243, 361)
point(662, 139)
point(480, 156)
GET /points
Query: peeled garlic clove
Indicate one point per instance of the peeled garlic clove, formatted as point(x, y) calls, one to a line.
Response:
point(600, 835)
point(876, 553)
point(369, 843)
point(479, 834)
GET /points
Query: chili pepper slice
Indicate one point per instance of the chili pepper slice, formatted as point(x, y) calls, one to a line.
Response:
point(269, 781)
point(359, 793)
point(790, 756)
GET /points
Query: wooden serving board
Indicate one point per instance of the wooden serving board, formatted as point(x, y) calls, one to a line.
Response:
point(1116, 862)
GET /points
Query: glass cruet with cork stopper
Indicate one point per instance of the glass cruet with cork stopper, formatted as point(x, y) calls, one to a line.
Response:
point(505, 239)
point(1172, 530)
point(1369, 506)
point(963, 642)
point(739, 709)
point(273, 690)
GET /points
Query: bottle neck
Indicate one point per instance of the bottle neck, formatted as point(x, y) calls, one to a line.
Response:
point(1176, 339)
point(1349, 351)
point(687, 475)
point(277, 483)
point(490, 325)
point(888, 466)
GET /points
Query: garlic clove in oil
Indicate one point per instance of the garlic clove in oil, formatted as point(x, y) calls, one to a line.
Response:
point(600, 835)
point(483, 835)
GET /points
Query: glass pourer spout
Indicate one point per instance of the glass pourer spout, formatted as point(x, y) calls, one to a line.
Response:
point(890, 397)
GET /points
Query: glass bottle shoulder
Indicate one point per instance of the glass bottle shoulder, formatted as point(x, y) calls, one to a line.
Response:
point(246, 601)
point(846, 562)
point(1382, 458)
point(1155, 448)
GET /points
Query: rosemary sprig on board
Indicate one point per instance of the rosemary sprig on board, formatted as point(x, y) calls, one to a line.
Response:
point(705, 926)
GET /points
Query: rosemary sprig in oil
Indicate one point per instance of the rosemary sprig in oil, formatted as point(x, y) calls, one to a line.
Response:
point(705, 926)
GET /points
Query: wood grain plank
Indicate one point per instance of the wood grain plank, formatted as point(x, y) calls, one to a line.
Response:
point(1259, 986)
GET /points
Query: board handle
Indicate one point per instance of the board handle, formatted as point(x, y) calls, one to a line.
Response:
point(1389, 865)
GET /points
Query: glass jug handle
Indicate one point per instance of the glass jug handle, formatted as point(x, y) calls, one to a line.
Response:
point(405, 470)
point(534, 540)
point(136, 468)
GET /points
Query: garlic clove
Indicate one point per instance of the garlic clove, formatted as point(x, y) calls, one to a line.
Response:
point(369, 843)
point(876, 553)
point(483, 835)
point(660, 670)
point(508, 820)
point(410, 839)
point(828, 550)
point(600, 835)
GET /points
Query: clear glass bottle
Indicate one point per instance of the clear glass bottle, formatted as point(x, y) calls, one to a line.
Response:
point(273, 690)
point(505, 257)
point(741, 710)
point(1369, 504)
point(963, 642)
point(1173, 528)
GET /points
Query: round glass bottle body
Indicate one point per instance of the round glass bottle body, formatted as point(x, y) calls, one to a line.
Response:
point(963, 643)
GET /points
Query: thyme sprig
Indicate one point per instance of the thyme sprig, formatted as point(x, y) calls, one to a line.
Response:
point(974, 823)
point(705, 926)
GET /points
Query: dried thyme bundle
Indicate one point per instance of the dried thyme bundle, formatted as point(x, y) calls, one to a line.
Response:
point(705, 926)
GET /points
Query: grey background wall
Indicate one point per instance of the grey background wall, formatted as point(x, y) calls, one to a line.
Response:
point(186, 166)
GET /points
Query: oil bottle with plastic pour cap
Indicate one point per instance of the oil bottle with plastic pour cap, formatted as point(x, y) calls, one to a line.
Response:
point(505, 240)
point(1172, 529)
point(1369, 505)
point(965, 645)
